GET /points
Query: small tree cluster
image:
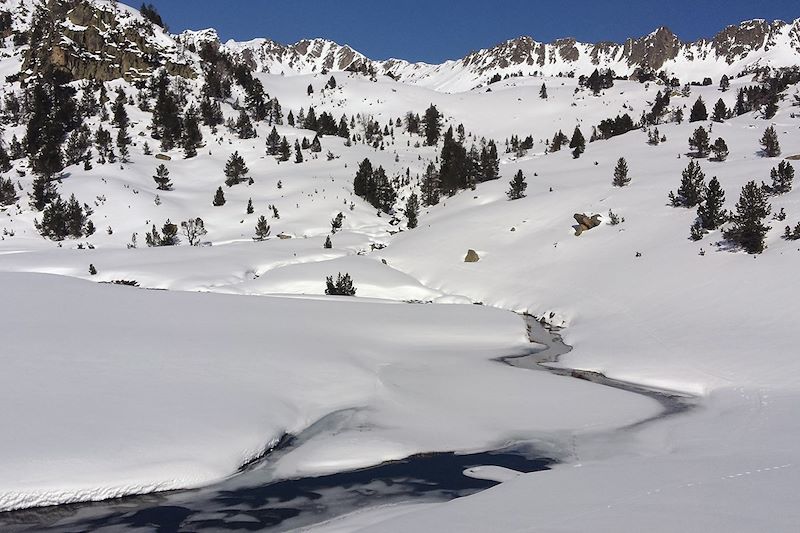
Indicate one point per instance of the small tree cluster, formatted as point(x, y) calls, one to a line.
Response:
point(343, 286)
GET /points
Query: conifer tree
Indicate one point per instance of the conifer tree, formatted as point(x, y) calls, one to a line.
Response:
point(433, 125)
point(336, 222)
point(430, 186)
point(543, 92)
point(44, 192)
point(235, 170)
point(219, 198)
point(621, 178)
point(692, 189)
point(273, 142)
point(769, 141)
point(284, 152)
point(489, 162)
point(249, 206)
point(244, 127)
point(720, 149)
point(192, 137)
point(710, 212)
point(724, 83)
point(782, 178)
point(771, 107)
point(162, 178)
point(454, 170)
point(720, 112)
point(298, 152)
point(169, 234)
point(517, 187)
point(8, 193)
point(316, 147)
point(578, 143)
point(699, 142)
point(748, 229)
point(698, 112)
point(363, 178)
point(92, 270)
point(262, 229)
point(412, 211)
point(328, 244)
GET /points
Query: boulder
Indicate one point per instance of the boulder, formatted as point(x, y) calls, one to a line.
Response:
point(472, 257)
point(585, 223)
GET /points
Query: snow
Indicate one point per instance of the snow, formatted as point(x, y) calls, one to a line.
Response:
point(134, 390)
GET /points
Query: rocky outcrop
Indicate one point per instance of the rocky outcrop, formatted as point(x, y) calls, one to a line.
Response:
point(472, 257)
point(585, 223)
point(86, 40)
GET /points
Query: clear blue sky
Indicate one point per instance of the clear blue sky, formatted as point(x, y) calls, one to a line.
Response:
point(435, 30)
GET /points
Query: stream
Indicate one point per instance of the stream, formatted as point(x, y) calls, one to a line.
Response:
point(253, 500)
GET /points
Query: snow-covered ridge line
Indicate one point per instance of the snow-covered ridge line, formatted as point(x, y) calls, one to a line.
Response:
point(737, 48)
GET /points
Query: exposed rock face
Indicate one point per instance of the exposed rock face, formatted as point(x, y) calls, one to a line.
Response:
point(585, 223)
point(472, 257)
point(101, 42)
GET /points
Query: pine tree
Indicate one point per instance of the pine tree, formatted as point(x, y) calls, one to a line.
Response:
point(692, 189)
point(169, 232)
point(578, 143)
point(769, 141)
point(328, 244)
point(284, 152)
point(262, 229)
point(489, 162)
point(454, 170)
point(363, 178)
point(720, 111)
point(412, 211)
point(162, 178)
point(273, 142)
point(235, 170)
point(699, 142)
point(430, 186)
point(44, 192)
point(8, 193)
point(710, 211)
point(92, 270)
point(249, 206)
point(749, 230)
point(720, 149)
point(336, 222)
point(543, 92)
point(75, 217)
point(298, 152)
point(219, 198)
point(244, 128)
point(433, 125)
point(724, 83)
point(621, 178)
point(698, 112)
point(316, 147)
point(517, 187)
point(771, 107)
point(782, 178)
point(192, 137)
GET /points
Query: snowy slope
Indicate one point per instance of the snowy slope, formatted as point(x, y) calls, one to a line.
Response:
point(202, 382)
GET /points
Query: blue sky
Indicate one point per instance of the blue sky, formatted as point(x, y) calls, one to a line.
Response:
point(435, 30)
